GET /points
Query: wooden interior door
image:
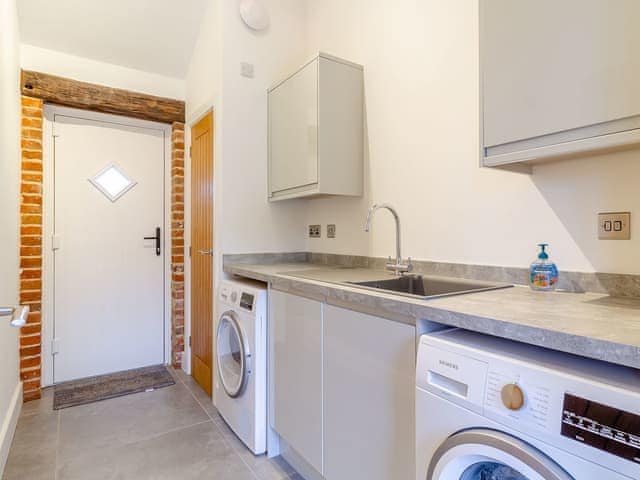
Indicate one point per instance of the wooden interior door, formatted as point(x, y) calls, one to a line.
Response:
point(202, 252)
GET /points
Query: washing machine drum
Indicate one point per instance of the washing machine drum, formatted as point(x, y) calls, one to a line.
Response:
point(232, 351)
point(484, 454)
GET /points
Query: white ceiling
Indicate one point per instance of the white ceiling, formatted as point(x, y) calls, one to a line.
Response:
point(151, 35)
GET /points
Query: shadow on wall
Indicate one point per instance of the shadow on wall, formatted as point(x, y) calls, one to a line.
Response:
point(578, 189)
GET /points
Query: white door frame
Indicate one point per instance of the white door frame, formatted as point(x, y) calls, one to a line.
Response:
point(48, 223)
point(194, 118)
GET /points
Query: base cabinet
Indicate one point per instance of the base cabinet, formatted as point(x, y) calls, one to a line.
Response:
point(341, 391)
point(368, 400)
point(295, 365)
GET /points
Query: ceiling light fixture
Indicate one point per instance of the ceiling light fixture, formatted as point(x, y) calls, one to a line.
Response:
point(254, 14)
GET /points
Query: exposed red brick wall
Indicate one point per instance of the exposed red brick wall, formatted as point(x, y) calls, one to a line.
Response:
point(177, 243)
point(31, 245)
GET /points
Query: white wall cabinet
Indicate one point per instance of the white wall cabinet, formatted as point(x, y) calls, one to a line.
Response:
point(369, 389)
point(295, 366)
point(558, 78)
point(316, 131)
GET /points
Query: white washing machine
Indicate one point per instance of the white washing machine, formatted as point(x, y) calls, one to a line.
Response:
point(492, 409)
point(241, 360)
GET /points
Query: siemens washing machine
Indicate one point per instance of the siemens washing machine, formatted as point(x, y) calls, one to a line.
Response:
point(493, 409)
point(240, 381)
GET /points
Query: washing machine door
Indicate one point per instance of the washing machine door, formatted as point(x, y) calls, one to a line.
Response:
point(484, 454)
point(232, 351)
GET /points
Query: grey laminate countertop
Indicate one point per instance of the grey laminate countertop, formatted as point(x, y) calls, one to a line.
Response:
point(587, 324)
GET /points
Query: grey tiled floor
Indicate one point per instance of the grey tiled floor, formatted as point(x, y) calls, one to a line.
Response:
point(171, 433)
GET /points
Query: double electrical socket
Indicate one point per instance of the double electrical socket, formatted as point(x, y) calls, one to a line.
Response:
point(614, 226)
point(315, 231)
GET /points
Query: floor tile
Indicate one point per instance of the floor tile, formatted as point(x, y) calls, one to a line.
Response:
point(173, 433)
point(203, 399)
point(33, 451)
point(265, 468)
point(270, 468)
point(42, 405)
point(197, 452)
point(127, 419)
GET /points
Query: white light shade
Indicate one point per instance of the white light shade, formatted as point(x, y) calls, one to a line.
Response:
point(254, 14)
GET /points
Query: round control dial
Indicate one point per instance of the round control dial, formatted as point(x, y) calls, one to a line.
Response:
point(512, 396)
point(234, 297)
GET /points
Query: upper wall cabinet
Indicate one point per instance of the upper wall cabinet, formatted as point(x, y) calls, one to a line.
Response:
point(316, 131)
point(558, 78)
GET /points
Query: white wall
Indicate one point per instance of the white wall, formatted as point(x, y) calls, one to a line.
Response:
point(421, 87)
point(248, 222)
point(9, 181)
point(203, 81)
point(101, 73)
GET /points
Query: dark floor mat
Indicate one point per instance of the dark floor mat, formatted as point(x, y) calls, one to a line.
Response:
point(103, 387)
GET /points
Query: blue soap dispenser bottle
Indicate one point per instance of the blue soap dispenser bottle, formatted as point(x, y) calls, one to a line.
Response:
point(543, 273)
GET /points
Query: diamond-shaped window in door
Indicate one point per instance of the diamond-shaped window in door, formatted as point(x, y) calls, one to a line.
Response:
point(112, 182)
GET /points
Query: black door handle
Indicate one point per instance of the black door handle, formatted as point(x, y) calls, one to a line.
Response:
point(157, 239)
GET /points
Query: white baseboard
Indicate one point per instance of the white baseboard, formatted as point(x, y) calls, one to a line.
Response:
point(8, 427)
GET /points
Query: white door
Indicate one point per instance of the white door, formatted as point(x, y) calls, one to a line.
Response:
point(108, 287)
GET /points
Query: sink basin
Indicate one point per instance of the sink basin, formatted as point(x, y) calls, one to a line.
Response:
point(425, 287)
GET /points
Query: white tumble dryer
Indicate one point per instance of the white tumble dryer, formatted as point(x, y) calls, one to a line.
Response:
point(240, 380)
point(493, 409)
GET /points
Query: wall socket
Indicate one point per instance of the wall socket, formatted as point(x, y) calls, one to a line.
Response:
point(614, 226)
point(331, 230)
point(314, 231)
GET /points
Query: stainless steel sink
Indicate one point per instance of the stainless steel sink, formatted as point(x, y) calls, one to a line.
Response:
point(425, 287)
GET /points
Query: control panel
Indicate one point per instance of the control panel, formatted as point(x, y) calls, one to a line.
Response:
point(236, 296)
point(512, 395)
point(601, 426)
point(246, 301)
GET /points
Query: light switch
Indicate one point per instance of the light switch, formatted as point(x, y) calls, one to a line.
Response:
point(246, 69)
point(614, 226)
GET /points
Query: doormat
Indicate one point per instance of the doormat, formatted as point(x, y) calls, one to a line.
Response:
point(103, 387)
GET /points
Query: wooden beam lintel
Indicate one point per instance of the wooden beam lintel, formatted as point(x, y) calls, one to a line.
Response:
point(98, 98)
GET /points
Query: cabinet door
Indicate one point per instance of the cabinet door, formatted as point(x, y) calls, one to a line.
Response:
point(295, 336)
point(293, 131)
point(551, 66)
point(369, 389)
